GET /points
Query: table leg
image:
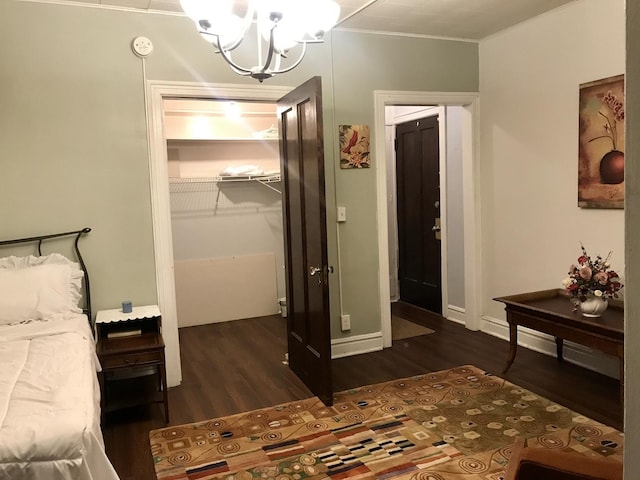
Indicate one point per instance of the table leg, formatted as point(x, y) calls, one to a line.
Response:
point(513, 345)
point(559, 345)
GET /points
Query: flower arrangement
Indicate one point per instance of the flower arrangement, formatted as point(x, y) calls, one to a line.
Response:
point(591, 278)
point(616, 108)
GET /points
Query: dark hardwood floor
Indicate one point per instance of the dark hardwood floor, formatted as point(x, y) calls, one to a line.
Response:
point(238, 366)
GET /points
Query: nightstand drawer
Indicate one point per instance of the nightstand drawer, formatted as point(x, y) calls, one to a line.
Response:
point(131, 360)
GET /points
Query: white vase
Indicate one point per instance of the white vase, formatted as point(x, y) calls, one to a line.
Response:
point(593, 307)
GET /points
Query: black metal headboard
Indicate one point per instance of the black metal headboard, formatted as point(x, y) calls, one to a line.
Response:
point(78, 234)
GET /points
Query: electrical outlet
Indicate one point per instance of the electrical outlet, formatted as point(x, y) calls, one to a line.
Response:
point(345, 322)
point(342, 214)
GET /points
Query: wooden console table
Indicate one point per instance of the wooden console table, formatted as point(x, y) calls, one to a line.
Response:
point(551, 312)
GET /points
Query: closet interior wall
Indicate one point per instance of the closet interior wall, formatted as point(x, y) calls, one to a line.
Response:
point(226, 209)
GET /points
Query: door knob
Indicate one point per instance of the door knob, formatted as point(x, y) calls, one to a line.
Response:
point(315, 270)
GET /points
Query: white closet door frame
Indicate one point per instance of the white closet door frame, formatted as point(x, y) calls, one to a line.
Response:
point(156, 92)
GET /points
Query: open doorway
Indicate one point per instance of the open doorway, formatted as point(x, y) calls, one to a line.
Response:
point(304, 204)
point(425, 207)
point(418, 276)
point(413, 106)
point(160, 195)
point(226, 209)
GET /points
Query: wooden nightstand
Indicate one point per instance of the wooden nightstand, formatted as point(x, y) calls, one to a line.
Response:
point(131, 353)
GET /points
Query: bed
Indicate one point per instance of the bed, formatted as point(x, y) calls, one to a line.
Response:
point(49, 393)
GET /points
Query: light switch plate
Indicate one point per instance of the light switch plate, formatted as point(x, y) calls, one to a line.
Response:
point(342, 214)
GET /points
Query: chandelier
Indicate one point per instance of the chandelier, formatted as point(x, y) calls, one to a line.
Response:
point(282, 26)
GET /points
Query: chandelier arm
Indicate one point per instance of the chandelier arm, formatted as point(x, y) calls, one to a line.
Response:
point(242, 73)
point(234, 45)
point(267, 62)
point(227, 58)
point(215, 40)
point(297, 62)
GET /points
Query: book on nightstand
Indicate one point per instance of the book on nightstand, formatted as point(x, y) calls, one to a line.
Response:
point(124, 333)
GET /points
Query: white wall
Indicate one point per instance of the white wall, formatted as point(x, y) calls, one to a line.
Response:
point(455, 211)
point(529, 80)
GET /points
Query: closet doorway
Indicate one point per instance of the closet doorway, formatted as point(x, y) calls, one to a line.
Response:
point(311, 127)
point(223, 168)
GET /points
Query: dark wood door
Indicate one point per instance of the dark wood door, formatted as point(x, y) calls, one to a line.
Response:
point(418, 186)
point(305, 236)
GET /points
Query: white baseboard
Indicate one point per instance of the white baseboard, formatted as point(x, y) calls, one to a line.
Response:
point(345, 347)
point(527, 338)
point(456, 314)
point(372, 342)
point(543, 343)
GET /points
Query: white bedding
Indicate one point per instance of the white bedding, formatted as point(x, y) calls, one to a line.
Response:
point(50, 402)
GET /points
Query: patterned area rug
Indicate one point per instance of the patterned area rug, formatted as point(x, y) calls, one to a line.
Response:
point(453, 424)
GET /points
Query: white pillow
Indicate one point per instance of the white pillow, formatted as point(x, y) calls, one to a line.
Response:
point(35, 288)
point(16, 304)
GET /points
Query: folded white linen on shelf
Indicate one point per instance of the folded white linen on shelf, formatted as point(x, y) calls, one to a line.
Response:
point(241, 170)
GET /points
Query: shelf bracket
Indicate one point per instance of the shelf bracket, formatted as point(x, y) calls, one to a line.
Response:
point(266, 184)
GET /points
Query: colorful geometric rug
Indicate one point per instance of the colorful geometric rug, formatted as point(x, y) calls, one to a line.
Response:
point(454, 424)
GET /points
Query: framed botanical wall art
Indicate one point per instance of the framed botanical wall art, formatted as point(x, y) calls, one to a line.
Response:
point(354, 146)
point(601, 144)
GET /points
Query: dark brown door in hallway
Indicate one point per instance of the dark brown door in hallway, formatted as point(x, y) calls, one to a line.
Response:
point(418, 187)
point(305, 237)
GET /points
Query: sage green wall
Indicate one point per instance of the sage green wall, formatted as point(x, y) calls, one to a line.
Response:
point(364, 63)
point(74, 150)
point(632, 254)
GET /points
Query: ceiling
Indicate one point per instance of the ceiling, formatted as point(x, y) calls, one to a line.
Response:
point(461, 19)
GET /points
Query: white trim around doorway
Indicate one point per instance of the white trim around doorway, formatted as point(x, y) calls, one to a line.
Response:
point(471, 196)
point(156, 92)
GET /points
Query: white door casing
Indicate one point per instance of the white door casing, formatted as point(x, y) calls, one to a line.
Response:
point(156, 91)
point(471, 196)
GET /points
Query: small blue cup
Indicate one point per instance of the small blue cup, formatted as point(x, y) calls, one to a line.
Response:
point(127, 307)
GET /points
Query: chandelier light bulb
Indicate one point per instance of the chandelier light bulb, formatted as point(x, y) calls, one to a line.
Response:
point(228, 31)
point(287, 26)
point(321, 16)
